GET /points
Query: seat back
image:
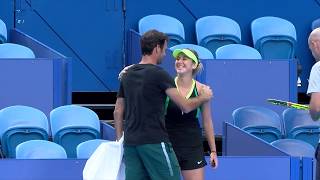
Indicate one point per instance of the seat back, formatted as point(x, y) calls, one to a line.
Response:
point(299, 125)
point(295, 147)
point(10, 50)
point(237, 51)
point(202, 52)
point(166, 24)
point(19, 124)
point(40, 149)
point(315, 24)
point(87, 148)
point(216, 31)
point(3, 32)
point(274, 38)
point(71, 125)
point(258, 121)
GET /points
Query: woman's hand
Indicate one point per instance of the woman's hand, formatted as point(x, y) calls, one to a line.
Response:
point(214, 159)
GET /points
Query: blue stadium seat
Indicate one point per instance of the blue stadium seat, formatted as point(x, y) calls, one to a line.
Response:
point(19, 124)
point(299, 125)
point(3, 32)
point(274, 38)
point(315, 24)
point(237, 51)
point(258, 121)
point(203, 52)
point(216, 31)
point(71, 125)
point(108, 132)
point(10, 50)
point(40, 149)
point(295, 147)
point(85, 149)
point(167, 24)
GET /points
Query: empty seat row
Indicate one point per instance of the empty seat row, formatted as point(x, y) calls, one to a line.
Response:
point(269, 126)
point(43, 149)
point(273, 37)
point(230, 51)
point(70, 125)
point(301, 133)
point(202, 52)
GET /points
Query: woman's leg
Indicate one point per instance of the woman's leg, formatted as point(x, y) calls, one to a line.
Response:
point(194, 174)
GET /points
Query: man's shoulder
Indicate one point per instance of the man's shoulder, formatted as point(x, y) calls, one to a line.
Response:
point(152, 71)
point(315, 69)
point(145, 66)
point(142, 68)
point(313, 85)
point(316, 65)
point(157, 70)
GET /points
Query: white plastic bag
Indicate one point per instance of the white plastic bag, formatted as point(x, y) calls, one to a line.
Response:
point(106, 162)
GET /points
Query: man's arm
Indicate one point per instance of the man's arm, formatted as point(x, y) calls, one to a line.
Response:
point(188, 105)
point(118, 115)
point(315, 106)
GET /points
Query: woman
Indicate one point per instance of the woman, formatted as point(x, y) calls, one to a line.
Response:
point(183, 128)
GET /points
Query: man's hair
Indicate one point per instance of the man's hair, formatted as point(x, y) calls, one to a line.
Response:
point(151, 39)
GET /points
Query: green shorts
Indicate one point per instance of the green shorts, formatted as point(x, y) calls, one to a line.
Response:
point(151, 161)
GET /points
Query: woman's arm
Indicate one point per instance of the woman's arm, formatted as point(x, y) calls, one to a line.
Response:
point(209, 130)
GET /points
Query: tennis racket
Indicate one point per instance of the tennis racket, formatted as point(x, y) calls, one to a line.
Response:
point(288, 104)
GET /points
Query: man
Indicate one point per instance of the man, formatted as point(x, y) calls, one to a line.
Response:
point(314, 84)
point(141, 98)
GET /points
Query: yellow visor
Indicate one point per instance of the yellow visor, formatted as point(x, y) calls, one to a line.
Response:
point(186, 52)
